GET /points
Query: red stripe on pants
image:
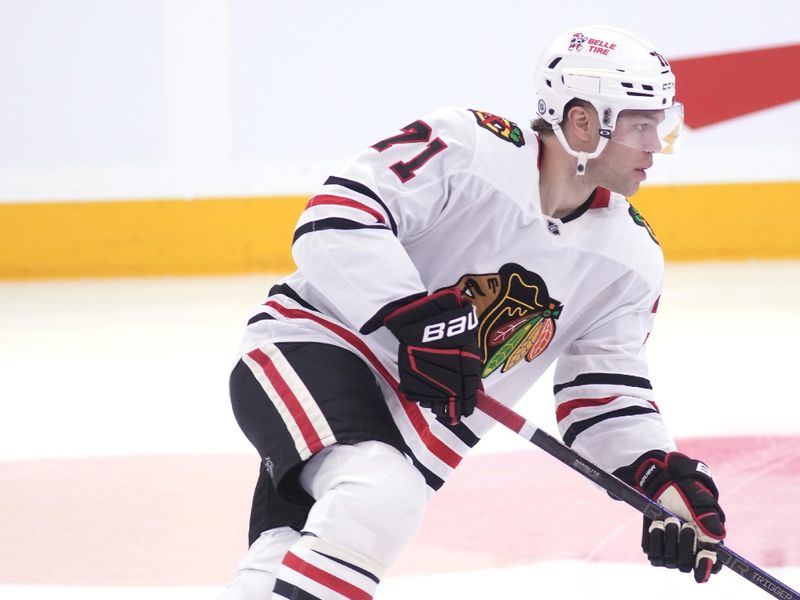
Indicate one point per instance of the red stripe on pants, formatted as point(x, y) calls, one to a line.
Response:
point(296, 410)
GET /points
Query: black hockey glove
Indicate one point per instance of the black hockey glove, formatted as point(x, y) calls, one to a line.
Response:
point(439, 359)
point(683, 486)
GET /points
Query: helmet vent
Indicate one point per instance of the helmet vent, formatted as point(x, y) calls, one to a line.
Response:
point(639, 94)
point(553, 64)
point(625, 84)
point(647, 87)
point(549, 83)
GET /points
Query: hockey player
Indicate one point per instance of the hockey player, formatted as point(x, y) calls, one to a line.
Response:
point(464, 251)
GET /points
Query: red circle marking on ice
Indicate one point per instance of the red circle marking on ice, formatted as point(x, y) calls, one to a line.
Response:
point(181, 520)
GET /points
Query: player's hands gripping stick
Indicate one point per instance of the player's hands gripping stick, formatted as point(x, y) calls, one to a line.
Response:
point(438, 358)
point(684, 486)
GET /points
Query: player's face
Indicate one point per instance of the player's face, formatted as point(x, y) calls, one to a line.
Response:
point(623, 164)
point(639, 129)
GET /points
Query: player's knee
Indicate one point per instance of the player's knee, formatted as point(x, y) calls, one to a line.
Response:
point(369, 499)
point(401, 492)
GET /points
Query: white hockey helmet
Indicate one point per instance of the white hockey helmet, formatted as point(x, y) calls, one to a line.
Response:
point(613, 70)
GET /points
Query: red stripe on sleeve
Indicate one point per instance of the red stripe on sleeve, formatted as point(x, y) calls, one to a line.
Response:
point(339, 201)
point(564, 410)
point(436, 446)
point(289, 399)
point(338, 585)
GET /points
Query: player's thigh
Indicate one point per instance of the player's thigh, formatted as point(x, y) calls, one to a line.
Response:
point(294, 399)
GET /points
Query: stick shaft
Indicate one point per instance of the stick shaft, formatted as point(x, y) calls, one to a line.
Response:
point(619, 489)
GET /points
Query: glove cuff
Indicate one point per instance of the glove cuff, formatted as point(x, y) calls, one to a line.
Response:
point(630, 474)
point(654, 474)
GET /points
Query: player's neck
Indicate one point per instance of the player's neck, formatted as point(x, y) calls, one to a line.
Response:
point(560, 190)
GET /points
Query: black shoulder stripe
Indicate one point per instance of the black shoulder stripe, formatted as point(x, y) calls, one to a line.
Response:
point(353, 185)
point(360, 188)
point(605, 379)
point(580, 426)
point(332, 223)
point(285, 290)
point(260, 317)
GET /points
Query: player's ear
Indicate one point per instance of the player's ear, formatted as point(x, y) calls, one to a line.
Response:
point(579, 121)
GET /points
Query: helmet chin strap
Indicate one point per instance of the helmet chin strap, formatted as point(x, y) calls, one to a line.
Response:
point(583, 157)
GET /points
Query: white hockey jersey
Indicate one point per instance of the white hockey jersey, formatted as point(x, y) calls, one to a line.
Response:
point(453, 200)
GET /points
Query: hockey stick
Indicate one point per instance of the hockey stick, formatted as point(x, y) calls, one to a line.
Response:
point(619, 489)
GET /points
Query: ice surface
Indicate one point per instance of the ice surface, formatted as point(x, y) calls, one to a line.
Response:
point(139, 367)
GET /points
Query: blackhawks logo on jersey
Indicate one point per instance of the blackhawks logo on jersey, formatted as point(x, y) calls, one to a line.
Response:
point(641, 222)
point(502, 128)
point(516, 315)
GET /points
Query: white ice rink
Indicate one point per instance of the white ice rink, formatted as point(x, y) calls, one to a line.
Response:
point(136, 370)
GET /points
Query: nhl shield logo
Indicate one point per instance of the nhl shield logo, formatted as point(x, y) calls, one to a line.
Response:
point(516, 316)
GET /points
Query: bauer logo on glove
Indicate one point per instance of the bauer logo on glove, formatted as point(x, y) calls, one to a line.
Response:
point(451, 328)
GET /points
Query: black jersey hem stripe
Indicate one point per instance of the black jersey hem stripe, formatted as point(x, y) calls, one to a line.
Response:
point(284, 289)
point(332, 223)
point(463, 433)
point(260, 317)
point(431, 479)
point(350, 566)
point(360, 188)
point(284, 589)
point(375, 322)
point(605, 379)
point(579, 427)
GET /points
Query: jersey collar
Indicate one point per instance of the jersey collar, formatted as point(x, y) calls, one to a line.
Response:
point(599, 198)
